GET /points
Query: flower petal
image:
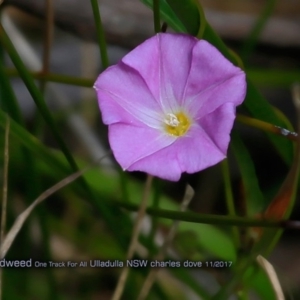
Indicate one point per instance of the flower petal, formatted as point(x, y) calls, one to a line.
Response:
point(163, 164)
point(167, 75)
point(196, 151)
point(164, 62)
point(191, 153)
point(231, 90)
point(130, 143)
point(124, 97)
point(218, 125)
point(213, 80)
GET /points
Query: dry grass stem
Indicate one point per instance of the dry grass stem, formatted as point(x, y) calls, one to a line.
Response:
point(269, 269)
point(134, 239)
point(24, 215)
point(189, 194)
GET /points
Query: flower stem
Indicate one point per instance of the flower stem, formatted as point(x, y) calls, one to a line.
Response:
point(155, 205)
point(156, 16)
point(212, 219)
point(100, 34)
point(59, 78)
point(134, 239)
point(229, 200)
point(267, 127)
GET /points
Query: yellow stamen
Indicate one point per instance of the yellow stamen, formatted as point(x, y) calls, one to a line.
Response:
point(177, 124)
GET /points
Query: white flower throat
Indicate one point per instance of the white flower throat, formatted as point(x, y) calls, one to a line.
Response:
point(172, 120)
point(177, 124)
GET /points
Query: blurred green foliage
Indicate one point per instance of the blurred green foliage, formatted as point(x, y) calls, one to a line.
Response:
point(89, 218)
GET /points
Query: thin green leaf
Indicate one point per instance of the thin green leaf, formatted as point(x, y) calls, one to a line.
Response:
point(254, 34)
point(168, 15)
point(156, 16)
point(230, 200)
point(7, 97)
point(254, 197)
point(262, 110)
point(100, 34)
point(36, 95)
point(187, 12)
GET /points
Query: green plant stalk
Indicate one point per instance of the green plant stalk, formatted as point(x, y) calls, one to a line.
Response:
point(100, 34)
point(203, 218)
point(178, 26)
point(10, 104)
point(155, 204)
point(251, 40)
point(262, 77)
point(257, 106)
point(203, 21)
point(265, 126)
point(124, 188)
point(36, 95)
point(156, 16)
point(188, 13)
point(59, 78)
point(255, 201)
point(229, 200)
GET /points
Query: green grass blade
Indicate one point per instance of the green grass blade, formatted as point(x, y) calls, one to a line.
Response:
point(254, 197)
point(7, 97)
point(168, 15)
point(252, 39)
point(36, 95)
point(100, 33)
point(187, 13)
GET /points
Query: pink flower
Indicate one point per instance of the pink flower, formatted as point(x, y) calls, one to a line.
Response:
point(170, 105)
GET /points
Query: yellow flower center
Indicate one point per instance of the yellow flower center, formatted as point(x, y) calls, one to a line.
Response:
point(177, 124)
